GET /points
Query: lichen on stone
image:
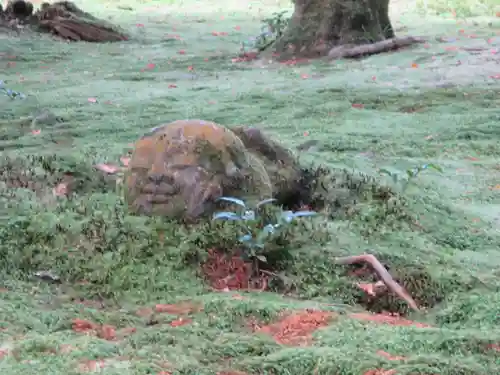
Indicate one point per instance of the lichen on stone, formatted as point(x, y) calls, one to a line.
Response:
point(179, 169)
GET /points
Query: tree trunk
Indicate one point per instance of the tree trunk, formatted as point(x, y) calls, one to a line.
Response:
point(317, 26)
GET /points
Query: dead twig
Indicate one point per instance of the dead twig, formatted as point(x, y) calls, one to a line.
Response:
point(382, 272)
point(350, 51)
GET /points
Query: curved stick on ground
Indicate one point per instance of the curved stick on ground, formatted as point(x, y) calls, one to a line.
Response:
point(382, 272)
point(349, 51)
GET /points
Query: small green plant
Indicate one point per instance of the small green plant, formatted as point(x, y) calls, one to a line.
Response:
point(11, 93)
point(255, 241)
point(369, 37)
point(404, 181)
point(272, 29)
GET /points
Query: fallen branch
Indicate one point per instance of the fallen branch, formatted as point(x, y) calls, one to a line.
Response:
point(350, 51)
point(382, 272)
point(81, 30)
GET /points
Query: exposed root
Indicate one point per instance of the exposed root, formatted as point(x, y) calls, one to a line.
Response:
point(384, 275)
point(63, 19)
point(350, 51)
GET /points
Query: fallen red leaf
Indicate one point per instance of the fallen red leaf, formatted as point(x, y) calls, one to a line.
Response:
point(107, 332)
point(180, 322)
point(80, 325)
point(389, 356)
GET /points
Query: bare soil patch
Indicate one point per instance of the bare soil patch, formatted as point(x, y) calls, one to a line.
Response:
point(296, 329)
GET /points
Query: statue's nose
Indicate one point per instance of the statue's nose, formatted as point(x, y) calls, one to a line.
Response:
point(159, 178)
point(155, 178)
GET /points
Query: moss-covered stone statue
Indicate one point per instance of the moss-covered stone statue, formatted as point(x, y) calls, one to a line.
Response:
point(181, 168)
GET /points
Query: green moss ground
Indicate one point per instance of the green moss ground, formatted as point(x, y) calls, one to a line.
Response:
point(437, 103)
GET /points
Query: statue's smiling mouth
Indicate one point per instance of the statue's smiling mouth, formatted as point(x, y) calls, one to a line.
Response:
point(188, 190)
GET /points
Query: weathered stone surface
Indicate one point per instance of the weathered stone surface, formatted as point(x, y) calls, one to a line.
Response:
point(179, 169)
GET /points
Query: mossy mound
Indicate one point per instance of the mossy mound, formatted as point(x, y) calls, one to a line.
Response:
point(180, 169)
point(41, 174)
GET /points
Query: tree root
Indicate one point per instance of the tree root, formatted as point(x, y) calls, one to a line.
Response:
point(61, 18)
point(382, 272)
point(352, 51)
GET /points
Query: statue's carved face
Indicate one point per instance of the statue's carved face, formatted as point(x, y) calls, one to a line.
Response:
point(184, 191)
point(179, 171)
point(174, 178)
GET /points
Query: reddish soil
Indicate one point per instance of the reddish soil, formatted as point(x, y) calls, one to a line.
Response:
point(182, 308)
point(230, 272)
point(387, 318)
point(296, 329)
point(104, 331)
point(380, 372)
